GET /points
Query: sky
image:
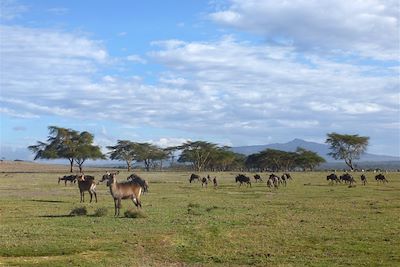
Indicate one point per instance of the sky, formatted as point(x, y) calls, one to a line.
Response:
point(230, 72)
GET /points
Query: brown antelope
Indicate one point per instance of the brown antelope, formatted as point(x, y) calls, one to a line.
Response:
point(127, 190)
point(87, 183)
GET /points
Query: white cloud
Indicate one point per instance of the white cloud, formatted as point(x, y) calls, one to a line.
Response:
point(228, 88)
point(168, 141)
point(10, 9)
point(136, 59)
point(369, 28)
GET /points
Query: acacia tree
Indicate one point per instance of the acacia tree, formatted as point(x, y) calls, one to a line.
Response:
point(124, 150)
point(347, 147)
point(222, 159)
point(148, 154)
point(68, 144)
point(86, 150)
point(198, 153)
point(307, 159)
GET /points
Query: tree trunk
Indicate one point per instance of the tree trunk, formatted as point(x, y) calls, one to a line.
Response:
point(71, 163)
point(129, 165)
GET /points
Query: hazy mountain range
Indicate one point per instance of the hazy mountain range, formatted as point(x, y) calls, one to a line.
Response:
point(321, 149)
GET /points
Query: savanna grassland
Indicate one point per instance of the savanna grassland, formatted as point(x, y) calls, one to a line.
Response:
point(307, 223)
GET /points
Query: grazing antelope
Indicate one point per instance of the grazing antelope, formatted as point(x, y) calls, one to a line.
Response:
point(333, 177)
point(257, 177)
point(126, 190)
point(273, 180)
point(381, 178)
point(66, 178)
point(134, 178)
point(215, 182)
point(241, 178)
point(363, 179)
point(194, 177)
point(86, 183)
point(204, 181)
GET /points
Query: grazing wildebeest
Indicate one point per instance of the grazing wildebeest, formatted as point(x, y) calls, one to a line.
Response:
point(209, 178)
point(273, 180)
point(257, 177)
point(66, 178)
point(347, 178)
point(283, 179)
point(194, 177)
point(333, 177)
point(241, 178)
point(86, 183)
point(363, 179)
point(270, 182)
point(381, 178)
point(204, 181)
point(134, 178)
point(288, 177)
point(126, 190)
point(215, 182)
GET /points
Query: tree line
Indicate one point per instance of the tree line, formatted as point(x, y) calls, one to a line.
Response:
point(77, 147)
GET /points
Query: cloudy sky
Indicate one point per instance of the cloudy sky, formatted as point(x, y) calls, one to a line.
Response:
point(230, 72)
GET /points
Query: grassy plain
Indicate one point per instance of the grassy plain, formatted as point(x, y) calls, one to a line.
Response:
point(308, 223)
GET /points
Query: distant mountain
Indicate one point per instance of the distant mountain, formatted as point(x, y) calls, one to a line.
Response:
point(321, 149)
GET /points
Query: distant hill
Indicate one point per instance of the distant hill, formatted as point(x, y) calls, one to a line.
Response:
point(321, 149)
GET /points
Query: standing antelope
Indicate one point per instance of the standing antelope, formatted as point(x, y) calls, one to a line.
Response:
point(126, 190)
point(86, 183)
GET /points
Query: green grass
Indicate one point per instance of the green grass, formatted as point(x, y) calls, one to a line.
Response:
point(308, 223)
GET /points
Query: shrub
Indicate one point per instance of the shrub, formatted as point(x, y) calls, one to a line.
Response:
point(132, 213)
point(79, 211)
point(100, 212)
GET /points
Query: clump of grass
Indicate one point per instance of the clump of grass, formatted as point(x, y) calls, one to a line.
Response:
point(132, 213)
point(79, 211)
point(211, 208)
point(194, 209)
point(100, 212)
point(193, 205)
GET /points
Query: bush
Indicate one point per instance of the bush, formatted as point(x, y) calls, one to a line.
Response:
point(133, 213)
point(80, 211)
point(100, 212)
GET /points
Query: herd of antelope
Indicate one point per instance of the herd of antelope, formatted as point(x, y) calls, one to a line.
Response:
point(135, 186)
point(130, 189)
point(349, 179)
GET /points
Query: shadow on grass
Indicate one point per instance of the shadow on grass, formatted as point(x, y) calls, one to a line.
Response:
point(47, 201)
point(56, 216)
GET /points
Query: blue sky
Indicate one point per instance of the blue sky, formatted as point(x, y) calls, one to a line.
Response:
point(230, 72)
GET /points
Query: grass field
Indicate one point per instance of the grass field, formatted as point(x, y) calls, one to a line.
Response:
point(308, 223)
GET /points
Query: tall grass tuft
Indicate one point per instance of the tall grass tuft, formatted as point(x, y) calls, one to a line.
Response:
point(133, 213)
point(100, 212)
point(79, 211)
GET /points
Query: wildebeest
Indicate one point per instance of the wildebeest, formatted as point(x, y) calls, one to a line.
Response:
point(134, 178)
point(257, 177)
point(194, 177)
point(209, 178)
point(241, 178)
point(283, 179)
point(204, 181)
point(126, 190)
point(381, 178)
point(215, 182)
point(288, 177)
point(66, 178)
point(86, 183)
point(347, 178)
point(273, 180)
point(333, 177)
point(363, 179)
